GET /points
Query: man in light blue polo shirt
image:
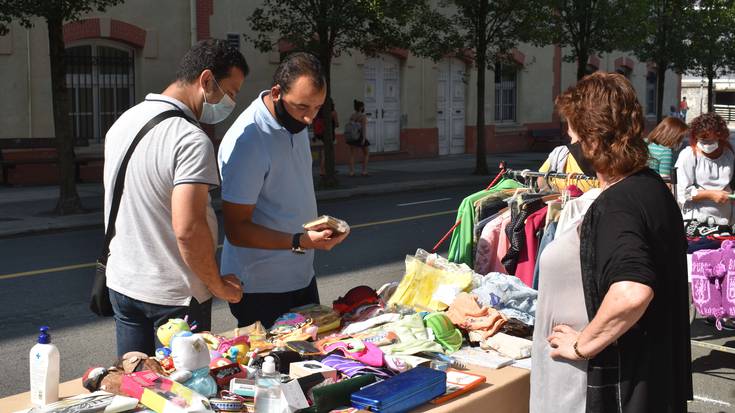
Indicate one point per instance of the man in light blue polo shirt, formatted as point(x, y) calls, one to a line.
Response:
point(268, 194)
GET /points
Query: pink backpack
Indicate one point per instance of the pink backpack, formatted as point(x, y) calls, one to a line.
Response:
point(708, 272)
point(728, 284)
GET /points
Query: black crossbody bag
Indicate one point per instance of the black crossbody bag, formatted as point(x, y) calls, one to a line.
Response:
point(100, 300)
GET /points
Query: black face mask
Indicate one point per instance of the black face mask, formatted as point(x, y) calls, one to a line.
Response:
point(291, 124)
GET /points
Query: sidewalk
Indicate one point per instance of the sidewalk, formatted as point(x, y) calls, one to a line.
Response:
point(25, 210)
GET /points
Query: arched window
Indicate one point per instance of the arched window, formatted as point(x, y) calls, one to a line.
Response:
point(100, 77)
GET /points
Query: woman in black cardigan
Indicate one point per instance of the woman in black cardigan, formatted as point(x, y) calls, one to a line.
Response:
point(633, 257)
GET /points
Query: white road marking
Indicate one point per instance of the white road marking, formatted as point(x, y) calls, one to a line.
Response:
point(711, 401)
point(424, 202)
point(711, 346)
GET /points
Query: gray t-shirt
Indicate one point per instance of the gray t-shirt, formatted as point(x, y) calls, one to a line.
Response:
point(145, 262)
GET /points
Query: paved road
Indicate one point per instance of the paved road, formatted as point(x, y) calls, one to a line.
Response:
point(386, 228)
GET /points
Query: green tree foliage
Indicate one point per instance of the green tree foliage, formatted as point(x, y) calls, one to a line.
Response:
point(586, 27)
point(55, 13)
point(486, 30)
point(660, 38)
point(710, 48)
point(328, 28)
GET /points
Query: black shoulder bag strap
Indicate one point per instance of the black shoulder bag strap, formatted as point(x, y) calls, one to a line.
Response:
point(120, 179)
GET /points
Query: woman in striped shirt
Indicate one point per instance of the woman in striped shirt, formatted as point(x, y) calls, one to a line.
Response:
point(662, 141)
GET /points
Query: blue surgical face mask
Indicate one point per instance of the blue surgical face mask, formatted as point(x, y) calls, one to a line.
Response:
point(217, 112)
point(708, 148)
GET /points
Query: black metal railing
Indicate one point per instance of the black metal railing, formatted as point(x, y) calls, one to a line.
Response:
point(101, 87)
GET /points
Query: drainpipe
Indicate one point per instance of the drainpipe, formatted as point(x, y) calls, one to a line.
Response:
point(30, 84)
point(193, 20)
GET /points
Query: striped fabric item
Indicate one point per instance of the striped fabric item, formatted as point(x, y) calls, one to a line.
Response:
point(352, 368)
point(661, 159)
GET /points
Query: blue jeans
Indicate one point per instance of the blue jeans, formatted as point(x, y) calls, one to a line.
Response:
point(136, 321)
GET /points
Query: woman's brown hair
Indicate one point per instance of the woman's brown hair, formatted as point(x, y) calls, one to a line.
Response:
point(604, 111)
point(710, 125)
point(669, 132)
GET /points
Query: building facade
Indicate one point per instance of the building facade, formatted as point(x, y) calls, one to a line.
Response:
point(416, 107)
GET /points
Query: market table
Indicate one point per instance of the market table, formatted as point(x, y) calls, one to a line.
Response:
point(506, 390)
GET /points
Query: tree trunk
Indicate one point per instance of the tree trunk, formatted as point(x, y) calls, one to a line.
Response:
point(710, 92)
point(329, 180)
point(582, 58)
point(481, 159)
point(660, 83)
point(69, 202)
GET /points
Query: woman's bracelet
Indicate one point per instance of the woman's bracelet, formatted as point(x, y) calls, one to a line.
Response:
point(576, 351)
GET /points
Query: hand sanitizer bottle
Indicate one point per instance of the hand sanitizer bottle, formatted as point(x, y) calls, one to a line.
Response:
point(268, 388)
point(44, 369)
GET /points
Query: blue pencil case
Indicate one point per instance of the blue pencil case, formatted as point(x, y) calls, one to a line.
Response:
point(403, 392)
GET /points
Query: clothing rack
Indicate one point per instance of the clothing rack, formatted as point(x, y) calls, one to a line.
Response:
point(503, 171)
point(526, 173)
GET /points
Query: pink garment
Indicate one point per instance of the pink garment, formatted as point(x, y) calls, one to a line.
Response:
point(527, 259)
point(485, 256)
point(503, 247)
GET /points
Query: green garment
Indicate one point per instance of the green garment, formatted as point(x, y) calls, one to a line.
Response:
point(460, 247)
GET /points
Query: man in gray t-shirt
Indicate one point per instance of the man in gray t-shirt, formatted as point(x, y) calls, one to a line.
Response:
point(162, 258)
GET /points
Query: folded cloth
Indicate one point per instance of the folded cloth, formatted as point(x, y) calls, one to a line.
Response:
point(509, 346)
point(370, 323)
point(412, 336)
point(508, 295)
point(352, 368)
point(466, 313)
point(444, 331)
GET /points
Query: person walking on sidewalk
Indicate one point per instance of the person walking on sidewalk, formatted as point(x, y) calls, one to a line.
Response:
point(358, 119)
point(268, 194)
point(162, 258)
point(683, 108)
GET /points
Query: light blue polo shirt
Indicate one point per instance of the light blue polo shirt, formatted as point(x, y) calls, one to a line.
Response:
point(261, 163)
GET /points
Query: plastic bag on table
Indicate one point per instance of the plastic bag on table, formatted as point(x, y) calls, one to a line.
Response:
point(430, 282)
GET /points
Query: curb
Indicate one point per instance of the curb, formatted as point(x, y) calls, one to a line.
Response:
point(94, 219)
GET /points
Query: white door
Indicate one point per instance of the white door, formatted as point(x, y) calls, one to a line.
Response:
point(450, 103)
point(383, 103)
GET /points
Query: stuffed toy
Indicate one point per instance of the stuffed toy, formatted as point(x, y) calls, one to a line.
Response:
point(191, 359)
point(236, 349)
point(110, 379)
point(172, 327)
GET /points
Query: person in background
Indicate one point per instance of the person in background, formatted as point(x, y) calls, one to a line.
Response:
point(162, 261)
point(683, 108)
point(662, 141)
point(635, 348)
point(704, 171)
point(361, 145)
point(318, 126)
point(673, 112)
point(567, 159)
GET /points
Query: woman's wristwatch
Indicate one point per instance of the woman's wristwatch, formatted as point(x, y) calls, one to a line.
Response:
point(296, 244)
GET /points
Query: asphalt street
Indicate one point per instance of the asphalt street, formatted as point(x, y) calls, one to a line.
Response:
point(45, 280)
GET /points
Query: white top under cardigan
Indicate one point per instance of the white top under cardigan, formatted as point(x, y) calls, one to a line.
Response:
point(705, 173)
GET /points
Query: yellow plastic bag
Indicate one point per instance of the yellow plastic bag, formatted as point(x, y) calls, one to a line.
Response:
point(430, 283)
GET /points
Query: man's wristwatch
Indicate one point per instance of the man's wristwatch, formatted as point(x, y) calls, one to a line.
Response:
point(296, 244)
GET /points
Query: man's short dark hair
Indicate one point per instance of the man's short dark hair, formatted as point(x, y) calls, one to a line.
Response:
point(213, 54)
point(296, 65)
